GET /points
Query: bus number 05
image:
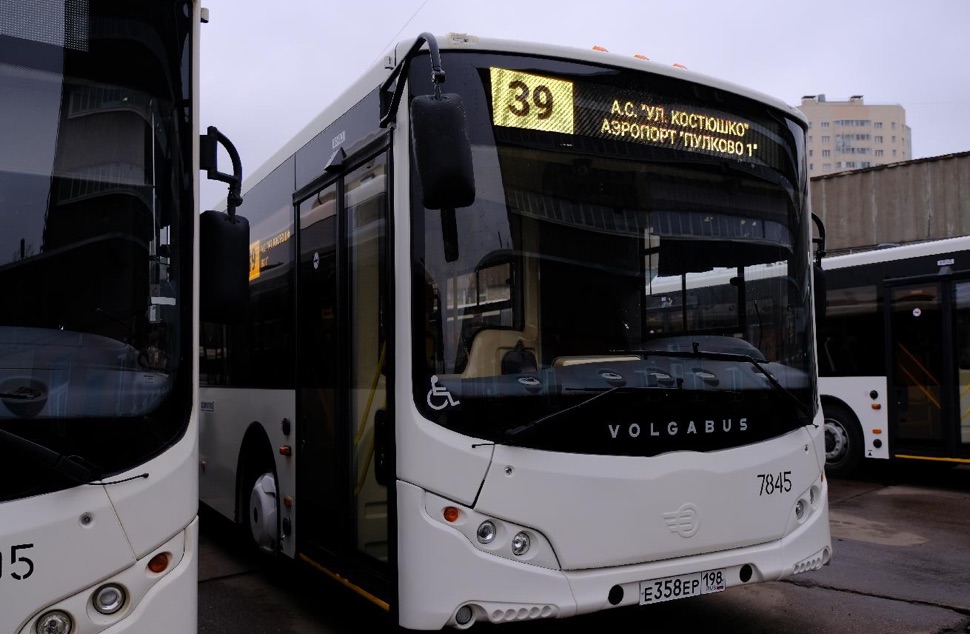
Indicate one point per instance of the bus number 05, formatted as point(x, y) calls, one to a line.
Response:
point(25, 566)
point(541, 98)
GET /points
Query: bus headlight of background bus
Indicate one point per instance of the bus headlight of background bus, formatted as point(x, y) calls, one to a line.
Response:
point(109, 598)
point(54, 622)
point(493, 535)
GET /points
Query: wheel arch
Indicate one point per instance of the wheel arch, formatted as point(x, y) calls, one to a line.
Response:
point(255, 457)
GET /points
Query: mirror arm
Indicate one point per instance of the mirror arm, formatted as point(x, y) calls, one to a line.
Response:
point(820, 240)
point(401, 70)
point(208, 162)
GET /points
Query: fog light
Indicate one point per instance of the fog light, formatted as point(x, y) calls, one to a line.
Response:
point(109, 598)
point(486, 532)
point(799, 509)
point(54, 622)
point(520, 544)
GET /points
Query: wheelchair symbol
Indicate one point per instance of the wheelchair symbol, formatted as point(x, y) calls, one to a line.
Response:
point(438, 392)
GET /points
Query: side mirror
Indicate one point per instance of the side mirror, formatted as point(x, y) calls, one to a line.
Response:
point(442, 151)
point(223, 241)
point(223, 267)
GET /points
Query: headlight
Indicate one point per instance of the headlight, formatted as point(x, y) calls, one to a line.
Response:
point(54, 622)
point(521, 543)
point(486, 532)
point(109, 598)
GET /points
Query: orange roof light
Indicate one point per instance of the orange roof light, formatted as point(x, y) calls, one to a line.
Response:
point(639, 56)
point(451, 514)
point(876, 406)
point(680, 66)
point(600, 49)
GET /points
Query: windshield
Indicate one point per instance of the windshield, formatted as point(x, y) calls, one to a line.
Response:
point(95, 176)
point(633, 275)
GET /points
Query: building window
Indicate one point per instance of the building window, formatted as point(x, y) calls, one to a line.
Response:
point(878, 125)
point(894, 138)
point(825, 124)
point(826, 139)
point(826, 153)
point(826, 166)
point(878, 139)
point(893, 124)
point(878, 152)
point(894, 153)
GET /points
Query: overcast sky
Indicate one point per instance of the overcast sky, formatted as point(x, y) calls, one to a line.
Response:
point(269, 67)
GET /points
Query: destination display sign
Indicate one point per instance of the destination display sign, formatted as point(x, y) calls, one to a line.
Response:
point(536, 102)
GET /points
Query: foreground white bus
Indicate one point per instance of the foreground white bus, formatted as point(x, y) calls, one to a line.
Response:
point(454, 389)
point(98, 429)
point(894, 355)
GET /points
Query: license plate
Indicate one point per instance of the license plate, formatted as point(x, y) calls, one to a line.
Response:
point(681, 587)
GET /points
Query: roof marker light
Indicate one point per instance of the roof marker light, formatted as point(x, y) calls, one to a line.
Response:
point(600, 49)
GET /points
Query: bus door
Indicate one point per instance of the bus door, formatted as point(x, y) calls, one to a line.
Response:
point(342, 509)
point(924, 357)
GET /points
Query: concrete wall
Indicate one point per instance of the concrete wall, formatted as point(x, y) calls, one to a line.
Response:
point(914, 201)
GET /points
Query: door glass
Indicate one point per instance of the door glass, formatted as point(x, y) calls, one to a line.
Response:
point(320, 499)
point(365, 200)
point(961, 342)
point(918, 365)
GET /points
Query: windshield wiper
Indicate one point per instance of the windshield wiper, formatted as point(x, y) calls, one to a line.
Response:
point(71, 467)
point(697, 353)
point(522, 429)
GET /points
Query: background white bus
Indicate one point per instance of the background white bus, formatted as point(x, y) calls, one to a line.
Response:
point(458, 399)
point(894, 355)
point(98, 318)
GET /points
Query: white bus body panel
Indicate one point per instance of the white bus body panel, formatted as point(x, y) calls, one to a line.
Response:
point(80, 540)
point(226, 413)
point(854, 392)
point(604, 511)
point(441, 570)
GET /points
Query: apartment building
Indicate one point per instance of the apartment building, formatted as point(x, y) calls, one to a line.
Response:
point(846, 135)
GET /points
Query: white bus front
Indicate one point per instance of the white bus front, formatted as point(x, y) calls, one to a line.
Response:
point(588, 425)
point(98, 481)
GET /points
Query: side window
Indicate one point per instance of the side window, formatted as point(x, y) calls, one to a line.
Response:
point(255, 351)
point(851, 339)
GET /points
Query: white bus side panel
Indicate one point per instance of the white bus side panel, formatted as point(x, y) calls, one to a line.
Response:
point(854, 392)
point(226, 414)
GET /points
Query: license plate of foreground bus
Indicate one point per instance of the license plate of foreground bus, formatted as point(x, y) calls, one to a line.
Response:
point(692, 585)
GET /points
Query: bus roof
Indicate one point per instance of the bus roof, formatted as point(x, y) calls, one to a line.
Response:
point(899, 252)
point(461, 41)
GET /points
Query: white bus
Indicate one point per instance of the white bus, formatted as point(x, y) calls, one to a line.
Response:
point(98, 322)
point(894, 355)
point(450, 392)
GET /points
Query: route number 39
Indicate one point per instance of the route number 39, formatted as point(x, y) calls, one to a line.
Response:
point(532, 102)
point(18, 566)
point(524, 98)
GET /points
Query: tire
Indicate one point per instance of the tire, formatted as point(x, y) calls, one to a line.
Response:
point(843, 441)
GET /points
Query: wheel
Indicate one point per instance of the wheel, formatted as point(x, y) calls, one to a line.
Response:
point(843, 441)
point(262, 513)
